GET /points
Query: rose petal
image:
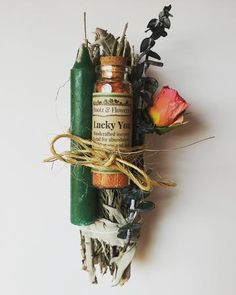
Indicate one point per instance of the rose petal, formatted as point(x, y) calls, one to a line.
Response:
point(178, 121)
point(167, 107)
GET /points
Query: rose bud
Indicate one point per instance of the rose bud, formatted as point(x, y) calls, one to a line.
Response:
point(168, 108)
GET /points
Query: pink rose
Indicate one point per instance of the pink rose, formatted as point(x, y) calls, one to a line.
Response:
point(168, 108)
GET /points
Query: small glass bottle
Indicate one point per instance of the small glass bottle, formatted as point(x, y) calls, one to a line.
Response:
point(112, 116)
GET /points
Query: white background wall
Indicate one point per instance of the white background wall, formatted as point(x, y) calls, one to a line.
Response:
point(189, 241)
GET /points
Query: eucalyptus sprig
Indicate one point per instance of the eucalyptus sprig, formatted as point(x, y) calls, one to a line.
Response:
point(144, 87)
point(143, 90)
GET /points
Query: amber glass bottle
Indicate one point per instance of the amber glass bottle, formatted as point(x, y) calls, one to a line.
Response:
point(112, 116)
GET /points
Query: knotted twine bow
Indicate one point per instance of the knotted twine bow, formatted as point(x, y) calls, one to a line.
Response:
point(91, 154)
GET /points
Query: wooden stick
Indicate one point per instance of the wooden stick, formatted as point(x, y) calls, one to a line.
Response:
point(89, 260)
point(85, 30)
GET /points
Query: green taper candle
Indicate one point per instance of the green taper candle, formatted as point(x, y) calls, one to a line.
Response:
point(83, 194)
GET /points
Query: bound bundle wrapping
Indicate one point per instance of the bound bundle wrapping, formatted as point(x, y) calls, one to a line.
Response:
point(107, 202)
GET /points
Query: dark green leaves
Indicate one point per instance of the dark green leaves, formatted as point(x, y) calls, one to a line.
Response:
point(150, 84)
point(158, 26)
point(154, 63)
point(145, 87)
point(146, 97)
point(163, 130)
point(153, 54)
point(166, 22)
point(145, 206)
point(160, 32)
point(137, 72)
point(164, 17)
point(146, 128)
point(133, 197)
point(152, 24)
point(132, 192)
point(165, 12)
point(146, 44)
point(129, 231)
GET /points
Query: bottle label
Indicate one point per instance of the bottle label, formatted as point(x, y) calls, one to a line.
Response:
point(112, 119)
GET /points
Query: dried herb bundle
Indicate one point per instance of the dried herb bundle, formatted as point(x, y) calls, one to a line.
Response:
point(110, 219)
point(106, 44)
point(124, 206)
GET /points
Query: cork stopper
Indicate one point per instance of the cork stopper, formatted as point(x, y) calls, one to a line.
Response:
point(113, 60)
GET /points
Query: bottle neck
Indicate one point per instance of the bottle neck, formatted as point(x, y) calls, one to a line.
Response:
point(112, 72)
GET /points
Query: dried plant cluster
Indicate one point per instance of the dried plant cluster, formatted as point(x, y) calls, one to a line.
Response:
point(124, 206)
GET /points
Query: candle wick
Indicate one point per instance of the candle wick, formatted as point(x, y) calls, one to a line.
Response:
point(85, 30)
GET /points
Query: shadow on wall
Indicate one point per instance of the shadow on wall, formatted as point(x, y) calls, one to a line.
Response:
point(163, 197)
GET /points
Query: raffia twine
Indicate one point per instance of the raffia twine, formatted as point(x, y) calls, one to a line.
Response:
point(91, 154)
